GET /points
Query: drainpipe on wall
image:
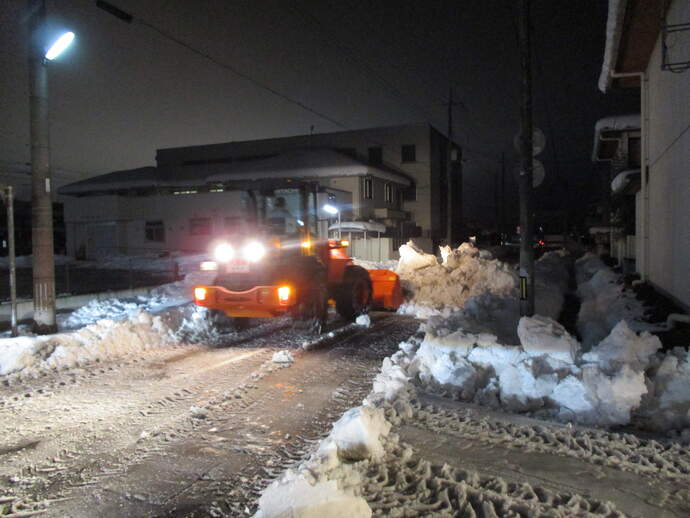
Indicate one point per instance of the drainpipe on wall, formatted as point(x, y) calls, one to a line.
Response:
point(644, 163)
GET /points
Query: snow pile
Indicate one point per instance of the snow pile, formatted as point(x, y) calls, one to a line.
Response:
point(546, 373)
point(604, 301)
point(283, 356)
point(363, 320)
point(328, 483)
point(551, 279)
point(104, 339)
point(667, 405)
point(464, 273)
point(541, 336)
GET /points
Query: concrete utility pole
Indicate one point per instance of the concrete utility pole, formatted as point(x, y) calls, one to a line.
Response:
point(7, 193)
point(525, 181)
point(41, 202)
point(449, 174)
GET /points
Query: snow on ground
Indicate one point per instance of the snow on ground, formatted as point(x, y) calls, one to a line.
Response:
point(111, 328)
point(604, 301)
point(26, 261)
point(104, 339)
point(376, 265)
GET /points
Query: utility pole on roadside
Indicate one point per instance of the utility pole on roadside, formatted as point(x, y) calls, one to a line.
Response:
point(525, 179)
point(7, 194)
point(41, 200)
point(449, 174)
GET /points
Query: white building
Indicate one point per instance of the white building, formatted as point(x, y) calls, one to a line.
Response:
point(394, 176)
point(648, 48)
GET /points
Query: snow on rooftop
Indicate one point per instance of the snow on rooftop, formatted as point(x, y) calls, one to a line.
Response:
point(297, 164)
point(614, 27)
point(358, 226)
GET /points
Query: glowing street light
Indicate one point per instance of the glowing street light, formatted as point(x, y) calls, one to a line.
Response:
point(332, 209)
point(59, 45)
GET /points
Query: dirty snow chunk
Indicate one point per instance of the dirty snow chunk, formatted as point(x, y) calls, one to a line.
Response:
point(357, 434)
point(283, 356)
point(669, 403)
point(294, 497)
point(413, 258)
point(615, 396)
point(363, 320)
point(624, 347)
point(544, 336)
point(390, 381)
point(20, 352)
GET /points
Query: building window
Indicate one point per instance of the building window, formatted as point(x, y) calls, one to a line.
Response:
point(200, 226)
point(154, 231)
point(376, 155)
point(409, 153)
point(368, 189)
point(388, 193)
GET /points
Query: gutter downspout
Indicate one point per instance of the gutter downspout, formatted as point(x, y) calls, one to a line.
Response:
point(644, 163)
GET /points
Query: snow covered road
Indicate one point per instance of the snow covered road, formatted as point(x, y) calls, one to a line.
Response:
point(187, 430)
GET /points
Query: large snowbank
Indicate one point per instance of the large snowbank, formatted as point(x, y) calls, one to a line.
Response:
point(621, 378)
point(603, 301)
point(483, 289)
point(104, 339)
point(464, 272)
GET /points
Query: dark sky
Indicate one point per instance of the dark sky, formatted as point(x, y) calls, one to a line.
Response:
point(124, 90)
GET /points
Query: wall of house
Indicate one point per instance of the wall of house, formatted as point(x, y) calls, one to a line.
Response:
point(669, 170)
point(107, 225)
point(390, 139)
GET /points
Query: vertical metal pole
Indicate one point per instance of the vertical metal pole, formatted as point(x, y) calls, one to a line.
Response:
point(449, 174)
point(525, 181)
point(339, 229)
point(41, 203)
point(9, 203)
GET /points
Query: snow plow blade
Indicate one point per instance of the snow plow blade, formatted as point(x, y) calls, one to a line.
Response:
point(258, 302)
point(386, 290)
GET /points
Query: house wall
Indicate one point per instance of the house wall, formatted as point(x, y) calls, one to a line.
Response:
point(390, 139)
point(669, 170)
point(106, 225)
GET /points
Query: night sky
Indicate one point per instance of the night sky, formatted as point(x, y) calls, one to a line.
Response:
point(124, 90)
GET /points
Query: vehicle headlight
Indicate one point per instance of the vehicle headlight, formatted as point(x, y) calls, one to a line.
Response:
point(223, 253)
point(253, 252)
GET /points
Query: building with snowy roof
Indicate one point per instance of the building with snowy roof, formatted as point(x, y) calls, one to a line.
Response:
point(394, 176)
point(648, 48)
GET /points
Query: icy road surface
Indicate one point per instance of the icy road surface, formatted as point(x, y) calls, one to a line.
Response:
point(185, 431)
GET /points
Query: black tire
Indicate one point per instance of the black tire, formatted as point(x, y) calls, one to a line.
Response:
point(353, 297)
point(311, 311)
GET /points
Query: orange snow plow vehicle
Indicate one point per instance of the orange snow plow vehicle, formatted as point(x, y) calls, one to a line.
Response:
point(277, 267)
point(296, 278)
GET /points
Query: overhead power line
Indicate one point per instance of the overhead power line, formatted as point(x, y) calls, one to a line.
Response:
point(128, 18)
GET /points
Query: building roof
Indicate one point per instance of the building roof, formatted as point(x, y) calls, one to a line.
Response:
point(299, 164)
point(608, 130)
point(305, 164)
point(632, 28)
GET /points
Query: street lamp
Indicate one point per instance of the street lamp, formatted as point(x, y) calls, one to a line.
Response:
point(59, 45)
point(42, 49)
point(332, 209)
